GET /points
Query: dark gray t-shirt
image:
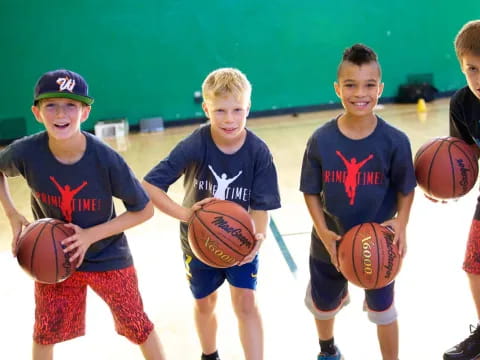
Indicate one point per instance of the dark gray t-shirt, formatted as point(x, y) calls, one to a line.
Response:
point(357, 180)
point(247, 177)
point(81, 193)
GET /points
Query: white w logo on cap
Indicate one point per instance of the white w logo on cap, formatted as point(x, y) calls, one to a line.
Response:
point(66, 84)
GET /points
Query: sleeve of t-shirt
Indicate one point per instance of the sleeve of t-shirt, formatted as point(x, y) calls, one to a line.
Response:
point(167, 171)
point(310, 178)
point(403, 173)
point(265, 194)
point(458, 127)
point(10, 165)
point(125, 185)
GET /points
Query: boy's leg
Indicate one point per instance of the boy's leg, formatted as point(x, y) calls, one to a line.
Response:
point(471, 263)
point(326, 294)
point(59, 314)
point(42, 352)
point(152, 348)
point(119, 289)
point(388, 340)
point(474, 280)
point(249, 322)
point(470, 347)
point(206, 322)
point(379, 303)
point(325, 328)
point(204, 281)
point(243, 282)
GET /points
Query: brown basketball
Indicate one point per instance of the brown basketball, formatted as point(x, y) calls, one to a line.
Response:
point(367, 256)
point(40, 252)
point(221, 233)
point(446, 168)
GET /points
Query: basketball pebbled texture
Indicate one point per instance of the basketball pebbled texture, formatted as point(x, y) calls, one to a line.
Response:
point(221, 233)
point(367, 256)
point(40, 253)
point(446, 168)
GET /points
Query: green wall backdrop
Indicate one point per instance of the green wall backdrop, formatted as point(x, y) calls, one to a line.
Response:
point(146, 58)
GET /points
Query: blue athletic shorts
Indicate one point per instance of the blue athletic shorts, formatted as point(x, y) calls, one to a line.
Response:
point(205, 279)
point(329, 288)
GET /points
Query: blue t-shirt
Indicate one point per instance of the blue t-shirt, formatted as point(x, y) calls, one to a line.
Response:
point(247, 177)
point(80, 193)
point(357, 180)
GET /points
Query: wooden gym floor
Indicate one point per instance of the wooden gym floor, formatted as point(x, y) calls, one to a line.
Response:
point(432, 294)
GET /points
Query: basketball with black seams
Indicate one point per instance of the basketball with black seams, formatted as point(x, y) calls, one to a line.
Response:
point(40, 252)
point(446, 168)
point(221, 233)
point(368, 257)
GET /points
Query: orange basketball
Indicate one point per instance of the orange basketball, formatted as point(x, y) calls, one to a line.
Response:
point(446, 168)
point(40, 252)
point(221, 233)
point(367, 256)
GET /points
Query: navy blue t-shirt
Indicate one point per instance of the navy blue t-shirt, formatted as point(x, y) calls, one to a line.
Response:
point(465, 116)
point(80, 193)
point(247, 177)
point(357, 180)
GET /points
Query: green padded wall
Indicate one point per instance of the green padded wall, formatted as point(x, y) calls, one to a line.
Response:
point(146, 58)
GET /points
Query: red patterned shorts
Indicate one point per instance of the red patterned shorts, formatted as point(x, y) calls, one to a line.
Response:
point(60, 308)
point(471, 263)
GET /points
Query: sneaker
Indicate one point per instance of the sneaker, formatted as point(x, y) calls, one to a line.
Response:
point(468, 349)
point(336, 356)
point(217, 357)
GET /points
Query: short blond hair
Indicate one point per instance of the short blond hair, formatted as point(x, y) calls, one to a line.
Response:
point(468, 39)
point(226, 81)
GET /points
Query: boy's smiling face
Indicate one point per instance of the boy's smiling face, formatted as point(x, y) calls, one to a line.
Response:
point(471, 68)
point(228, 116)
point(60, 116)
point(359, 87)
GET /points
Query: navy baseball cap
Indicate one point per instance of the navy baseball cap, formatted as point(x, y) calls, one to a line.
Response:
point(62, 84)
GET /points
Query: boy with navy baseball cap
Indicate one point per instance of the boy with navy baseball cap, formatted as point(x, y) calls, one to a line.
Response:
point(73, 176)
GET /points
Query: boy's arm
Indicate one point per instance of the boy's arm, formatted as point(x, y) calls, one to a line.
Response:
point(83, 238)
point(399, 223)
point(328, 237)
point(17, 220)
point(260, 219)
point(165, 204)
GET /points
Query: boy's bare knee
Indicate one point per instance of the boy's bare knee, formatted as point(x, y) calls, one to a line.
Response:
point(245, 304)
point(207, 304)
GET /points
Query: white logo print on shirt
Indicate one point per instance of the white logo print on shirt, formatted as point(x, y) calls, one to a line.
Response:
point(222, 183)
point(66, 84)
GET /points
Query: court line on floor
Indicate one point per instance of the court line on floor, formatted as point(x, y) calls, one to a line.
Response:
point(283, 248)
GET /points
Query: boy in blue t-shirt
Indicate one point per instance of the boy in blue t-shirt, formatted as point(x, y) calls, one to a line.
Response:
point(73, 176)
point(356, 169)
point(227, 161)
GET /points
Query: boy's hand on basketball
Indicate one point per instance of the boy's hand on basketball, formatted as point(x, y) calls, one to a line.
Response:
point(330, 239)
point(197, 206)
point(77, 244)
point(202, 202)
point(17, 223)
point(249, 258)
point(399, 234)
